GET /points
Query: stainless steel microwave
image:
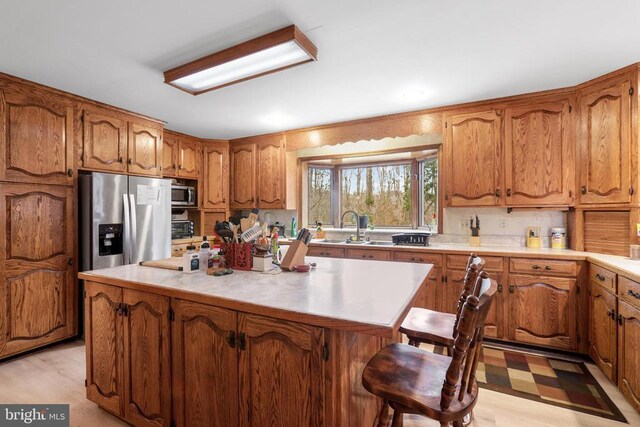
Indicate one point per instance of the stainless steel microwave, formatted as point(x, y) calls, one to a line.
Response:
point(182, 195)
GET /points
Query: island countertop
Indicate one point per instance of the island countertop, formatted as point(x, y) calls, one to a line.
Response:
point(357, 295)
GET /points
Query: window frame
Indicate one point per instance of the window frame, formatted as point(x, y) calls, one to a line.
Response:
point(417, 212)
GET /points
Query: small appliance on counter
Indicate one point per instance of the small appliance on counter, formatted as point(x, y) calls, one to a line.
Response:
point(181, 229)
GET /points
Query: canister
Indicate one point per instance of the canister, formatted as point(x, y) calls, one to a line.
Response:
point(559, 238)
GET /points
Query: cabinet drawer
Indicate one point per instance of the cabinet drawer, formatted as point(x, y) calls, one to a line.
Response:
point(459, 262)
point(421, 257)
point(629, 291)
point(368, 254)
point(603, 277)
point(544, 266)
point(328, 252)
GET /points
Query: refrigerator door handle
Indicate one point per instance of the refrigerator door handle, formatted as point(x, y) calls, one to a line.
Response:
point(127, 231)
point(134, 230)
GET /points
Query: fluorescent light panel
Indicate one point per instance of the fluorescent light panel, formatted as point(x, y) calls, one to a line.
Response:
point(275, 51)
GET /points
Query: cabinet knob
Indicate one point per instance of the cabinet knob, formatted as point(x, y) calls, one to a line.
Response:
point(497, 193)
point(174, 166)
point(130, 161)
point(548, 267)
point(120, 160)
point(600, 277)
point(512, 288)
point(499, 288)
point(535, 267)
point(69, 172)
point(620, 318)
point(370, 256)
point(70, 261)
point(583, 189)
point(508, 192)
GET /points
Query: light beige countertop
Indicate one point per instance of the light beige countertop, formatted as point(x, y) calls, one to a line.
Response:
point(356, 295)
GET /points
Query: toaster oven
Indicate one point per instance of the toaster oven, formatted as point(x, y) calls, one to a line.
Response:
point(181, 229)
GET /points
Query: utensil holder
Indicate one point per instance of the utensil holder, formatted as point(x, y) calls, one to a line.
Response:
point(294, 256)
point(237, 255)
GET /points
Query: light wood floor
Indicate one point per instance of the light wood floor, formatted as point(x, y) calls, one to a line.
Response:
point(56, 375)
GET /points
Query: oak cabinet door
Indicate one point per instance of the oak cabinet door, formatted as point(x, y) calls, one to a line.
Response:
point(243, 193)
point(629, 353)
point(36, 136)
point(104, 339)
point(451, 290)
point(543, 311)
point(37, 286)
point(147, 380)
point(493, 324)
point(271, 175)
point(145, 150)
point(538, 158)
point(602, 330)
point(605, 144)
point(281, 373)
point(473, 144)
point(170, 147)
point(216, 176)
point(188, 159)
point(205, 365)
point(105, 142)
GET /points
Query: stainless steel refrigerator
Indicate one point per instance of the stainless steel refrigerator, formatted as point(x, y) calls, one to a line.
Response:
point(123, 220)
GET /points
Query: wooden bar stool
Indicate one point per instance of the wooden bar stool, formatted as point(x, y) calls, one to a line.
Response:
point(414, 381)
point(434, 327)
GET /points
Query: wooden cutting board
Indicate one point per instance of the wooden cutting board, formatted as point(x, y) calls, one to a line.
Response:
point(173, 263)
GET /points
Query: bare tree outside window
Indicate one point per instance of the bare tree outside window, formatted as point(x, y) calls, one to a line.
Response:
point(381, 192)
point(429, 171)
point(320, 187)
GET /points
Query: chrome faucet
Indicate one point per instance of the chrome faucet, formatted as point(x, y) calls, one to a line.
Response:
point(355, 214)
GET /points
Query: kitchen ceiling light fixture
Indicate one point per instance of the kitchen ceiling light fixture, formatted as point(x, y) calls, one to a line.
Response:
point(281, 49)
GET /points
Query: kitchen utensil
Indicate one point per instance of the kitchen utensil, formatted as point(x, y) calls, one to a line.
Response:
point(246, 224)
point(173, 263)
point(225, 235)
point(252, 233)
point(235, 233)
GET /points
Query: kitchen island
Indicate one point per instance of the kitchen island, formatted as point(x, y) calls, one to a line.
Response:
point(246, 349)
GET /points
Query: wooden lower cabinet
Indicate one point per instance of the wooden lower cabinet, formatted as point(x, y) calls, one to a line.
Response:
point(629, 352)
point(543, 311)
point(451, 290)
point(602, 330)
point(205, 360)
point(281, 372)
point(128, 359)
point(37, 285)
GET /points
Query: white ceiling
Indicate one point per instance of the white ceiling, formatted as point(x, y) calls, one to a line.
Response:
point(374, 57)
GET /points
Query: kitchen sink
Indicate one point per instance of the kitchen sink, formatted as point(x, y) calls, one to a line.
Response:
point(377, 243)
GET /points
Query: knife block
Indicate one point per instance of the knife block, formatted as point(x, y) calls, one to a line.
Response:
point(294, 256)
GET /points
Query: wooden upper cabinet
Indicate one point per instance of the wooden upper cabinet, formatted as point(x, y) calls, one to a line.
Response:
point(473, 144)
point(281, 360)
point(36, 136)
point(271, 175)
point(205, 365)
point(605, 143)
point(602, 330)
point(189, 159)
point(170, 146)
point(145, 150)
point(628, 354)
point(36, 266)
point(147, 379)
point(556, 297)
point(243, 190)
point(105, 142)
point(215, 175)
point(104, 349)
point(539, 163)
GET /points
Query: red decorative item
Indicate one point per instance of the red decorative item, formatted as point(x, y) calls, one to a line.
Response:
point(237, 256)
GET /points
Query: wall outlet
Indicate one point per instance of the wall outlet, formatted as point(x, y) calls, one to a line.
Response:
point(502, 224)
point(464, 224)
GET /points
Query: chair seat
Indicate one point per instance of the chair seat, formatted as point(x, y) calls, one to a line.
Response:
point(429, 325)
point(413, 378)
